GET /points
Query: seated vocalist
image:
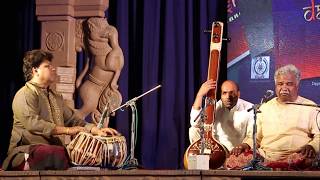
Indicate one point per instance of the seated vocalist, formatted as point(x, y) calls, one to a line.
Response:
point(42, 119)
point(287, 136)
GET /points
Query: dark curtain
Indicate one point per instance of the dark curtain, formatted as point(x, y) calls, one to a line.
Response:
point(163, 43)
point(20, 32)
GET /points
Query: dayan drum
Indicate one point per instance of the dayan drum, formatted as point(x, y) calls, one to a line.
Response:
point(88, 150)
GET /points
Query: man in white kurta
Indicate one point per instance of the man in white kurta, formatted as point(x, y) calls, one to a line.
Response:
point(231, 116)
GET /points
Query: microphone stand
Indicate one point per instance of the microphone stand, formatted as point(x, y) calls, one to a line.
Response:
point(202, 141)
point(131, 162)
point(202, 116)
point(254, 164)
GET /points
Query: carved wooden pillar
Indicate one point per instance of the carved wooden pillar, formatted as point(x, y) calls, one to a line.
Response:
point(58, 35)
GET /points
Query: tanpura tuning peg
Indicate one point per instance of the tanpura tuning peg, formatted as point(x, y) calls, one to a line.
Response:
point(226, 39)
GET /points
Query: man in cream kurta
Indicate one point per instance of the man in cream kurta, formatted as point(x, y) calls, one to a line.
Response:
point(231, 116)
point(282, 129)
point(285, 132)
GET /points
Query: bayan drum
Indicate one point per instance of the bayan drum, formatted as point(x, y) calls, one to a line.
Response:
point(88, 150)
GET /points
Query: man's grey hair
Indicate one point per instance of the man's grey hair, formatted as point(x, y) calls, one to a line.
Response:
point(290, 68)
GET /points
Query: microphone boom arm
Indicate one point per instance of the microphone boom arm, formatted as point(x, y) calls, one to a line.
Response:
point(134, 99)
point(302, 104)
point(106, 109)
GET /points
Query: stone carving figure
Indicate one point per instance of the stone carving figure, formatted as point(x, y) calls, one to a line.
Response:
point(103, 67)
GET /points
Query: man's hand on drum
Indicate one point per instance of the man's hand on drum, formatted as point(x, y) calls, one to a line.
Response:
point(104, 131)
point(74, 130)
point(240, 148)
point(308, 151)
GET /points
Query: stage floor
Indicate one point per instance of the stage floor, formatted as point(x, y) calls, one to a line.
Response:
point(157, 174)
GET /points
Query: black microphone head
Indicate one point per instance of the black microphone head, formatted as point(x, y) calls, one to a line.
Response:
point(269, 93)
point(267, 96)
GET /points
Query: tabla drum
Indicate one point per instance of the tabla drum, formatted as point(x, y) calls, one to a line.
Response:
point(88, 150)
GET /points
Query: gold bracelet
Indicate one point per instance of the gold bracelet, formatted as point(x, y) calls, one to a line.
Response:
point(67, 131)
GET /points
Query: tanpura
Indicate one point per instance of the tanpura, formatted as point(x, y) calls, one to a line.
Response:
point(207, 145)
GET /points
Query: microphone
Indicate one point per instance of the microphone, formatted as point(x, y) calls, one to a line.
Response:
point(267, 96)
point(104, 114)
